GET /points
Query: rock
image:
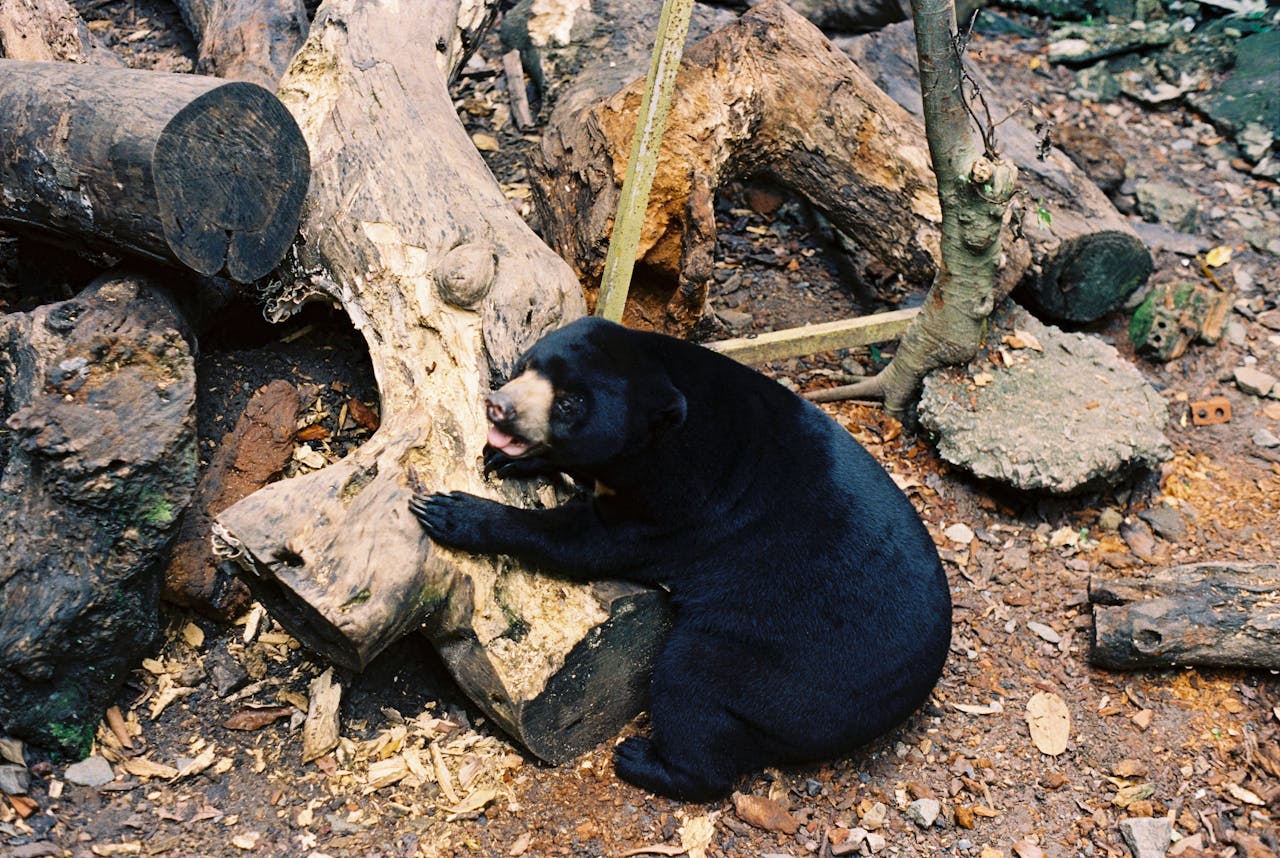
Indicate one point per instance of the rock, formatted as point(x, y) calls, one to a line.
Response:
point(1157, 236)
point(1146, 837)
point(91, 771)
point(1073, 416)
point(1137, 535)
point(1167, 522)
point(1255, 381)
point(736, 320)
point(1110, 520)
point(765, 813)
point(923, 811)
point(95, 470)
point(875, 841)
point(959, 532)
point(227, 674)
point(1045, 632)
point(14, 780)
point(1237, 335)
point(1247, 95)
point(874, 818)
point(852, 841)
point(1167, 203)
point(1264, 438)
point(1094, 154)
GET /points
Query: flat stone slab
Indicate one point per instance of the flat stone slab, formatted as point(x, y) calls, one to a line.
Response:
point(1067, 416)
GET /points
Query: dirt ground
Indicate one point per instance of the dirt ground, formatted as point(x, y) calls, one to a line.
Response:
point(1199, 747)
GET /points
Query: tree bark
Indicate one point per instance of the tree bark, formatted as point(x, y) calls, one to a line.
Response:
point(177, 168)
point(245, 460)
point(97, 459)
point(1084, 258)
point(249, 40)
point(765, 95)
point(405, 227)
point(1207, 614)
point(49, 31)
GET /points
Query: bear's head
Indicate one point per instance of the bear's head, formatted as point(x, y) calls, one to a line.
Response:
point(585, 395)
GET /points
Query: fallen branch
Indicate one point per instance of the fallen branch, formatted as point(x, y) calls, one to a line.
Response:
point(1207, 614)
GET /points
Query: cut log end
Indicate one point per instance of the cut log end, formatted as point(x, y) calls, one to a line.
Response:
point(1091, 276)
point(238, 218)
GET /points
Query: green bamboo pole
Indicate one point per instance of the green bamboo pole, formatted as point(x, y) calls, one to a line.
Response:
point(651, 121)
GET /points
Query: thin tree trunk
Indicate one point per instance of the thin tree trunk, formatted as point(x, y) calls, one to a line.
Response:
point(974, 188)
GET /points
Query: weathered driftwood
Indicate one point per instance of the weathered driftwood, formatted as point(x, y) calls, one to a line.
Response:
point(249, 40)
point(448, 286)
point(178, 168)
point(1209, 614)
point(97, 458)
point(245, 460)
point(49, 31)
point(1070, 253)
point(766, 95)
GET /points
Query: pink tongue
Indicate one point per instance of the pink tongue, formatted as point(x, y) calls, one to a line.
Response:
point(506, 443)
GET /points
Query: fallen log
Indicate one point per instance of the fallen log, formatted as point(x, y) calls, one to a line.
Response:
point(245, 460)
point(177, 168)
point(1207, 614)
point(765, 95)
point(49, 31)
point(249, 40)
point(448, 286)
point(97, 458)
point(1073, 257)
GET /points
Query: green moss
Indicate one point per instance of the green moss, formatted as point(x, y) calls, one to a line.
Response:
point(73, 740)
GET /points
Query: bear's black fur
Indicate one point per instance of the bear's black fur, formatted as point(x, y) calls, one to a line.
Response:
point(811, 612)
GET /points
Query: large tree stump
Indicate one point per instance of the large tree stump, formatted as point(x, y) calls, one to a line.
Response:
point(1073, 257)
point(249, 40)
point(405, 227)
point(177, 168)
point(97, 459)
point(1208, 614)
point(49, 31)
point(766, 95)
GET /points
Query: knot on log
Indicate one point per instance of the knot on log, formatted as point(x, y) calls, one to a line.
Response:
point(466, 274)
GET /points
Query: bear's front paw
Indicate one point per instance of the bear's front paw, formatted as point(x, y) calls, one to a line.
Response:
point(457, 519)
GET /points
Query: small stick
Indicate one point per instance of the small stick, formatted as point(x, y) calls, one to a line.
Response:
point(514, 71)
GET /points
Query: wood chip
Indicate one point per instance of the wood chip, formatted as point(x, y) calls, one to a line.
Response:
point(320, 731)
point(142, 767)
point(1049, 721)
point(257, 718)
point(993, 708)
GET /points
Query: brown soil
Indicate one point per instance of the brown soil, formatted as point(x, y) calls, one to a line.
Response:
point(1200, 747)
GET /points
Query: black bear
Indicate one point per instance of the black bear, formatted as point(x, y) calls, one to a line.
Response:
point(811, 612)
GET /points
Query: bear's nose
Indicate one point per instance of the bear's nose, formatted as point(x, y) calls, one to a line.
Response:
point(499, 407)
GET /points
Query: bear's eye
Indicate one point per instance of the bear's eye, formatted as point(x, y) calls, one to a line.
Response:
point(567, 405)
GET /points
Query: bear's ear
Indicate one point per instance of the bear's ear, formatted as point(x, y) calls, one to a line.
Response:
point(670, 407)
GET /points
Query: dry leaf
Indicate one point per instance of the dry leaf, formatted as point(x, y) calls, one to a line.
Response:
point(1218, 256)
point(1049, 721)
point(764, 813)
point(256, 719)
point(1021, 340)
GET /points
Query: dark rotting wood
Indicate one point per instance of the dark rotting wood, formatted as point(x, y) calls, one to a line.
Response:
point(178, 168)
